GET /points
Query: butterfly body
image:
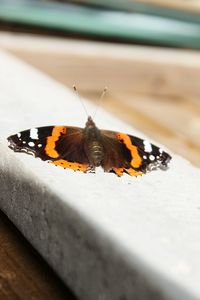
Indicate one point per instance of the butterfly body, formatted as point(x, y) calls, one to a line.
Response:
point(84, 149)
point(93, 145)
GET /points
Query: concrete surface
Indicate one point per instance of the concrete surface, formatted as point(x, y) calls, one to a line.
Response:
point(109, 238)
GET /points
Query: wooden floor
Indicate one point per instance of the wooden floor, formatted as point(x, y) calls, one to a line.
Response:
point(23, 273)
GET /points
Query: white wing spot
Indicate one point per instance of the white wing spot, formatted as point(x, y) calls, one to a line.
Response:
point(39, 145)
point(151, 157)
point(160, 150)
point(19, 135)
point(24, 142)
point(34, 133)
point(144, 156)
point(147, 146)
point(31, 144)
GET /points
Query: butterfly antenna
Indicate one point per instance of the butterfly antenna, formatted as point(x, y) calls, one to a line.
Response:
point(99, 101)
point(77, 93)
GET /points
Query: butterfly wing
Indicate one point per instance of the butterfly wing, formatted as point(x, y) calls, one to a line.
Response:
point(130, 154)
point(60, 145)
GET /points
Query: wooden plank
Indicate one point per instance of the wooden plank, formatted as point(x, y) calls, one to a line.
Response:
point(149, 70)
point(23, 273)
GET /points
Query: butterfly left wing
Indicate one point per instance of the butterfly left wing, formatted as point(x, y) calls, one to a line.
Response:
point(60, 145)
point(130, 154)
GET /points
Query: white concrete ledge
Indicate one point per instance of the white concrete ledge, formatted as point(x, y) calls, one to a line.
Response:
point(108, 238)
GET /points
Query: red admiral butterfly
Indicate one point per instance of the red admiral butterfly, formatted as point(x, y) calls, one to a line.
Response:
point(84, 149)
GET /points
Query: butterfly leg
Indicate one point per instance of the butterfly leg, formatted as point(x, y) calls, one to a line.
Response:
point(91, 170)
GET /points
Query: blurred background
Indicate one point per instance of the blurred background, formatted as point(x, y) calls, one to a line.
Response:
point(147, 52)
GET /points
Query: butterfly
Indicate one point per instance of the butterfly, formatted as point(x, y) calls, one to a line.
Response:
point(84, 149)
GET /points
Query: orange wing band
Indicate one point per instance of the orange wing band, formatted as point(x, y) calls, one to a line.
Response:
point(130, 171)
point(133, 172)
point(71, 165)
point(136, 159)
point(51, 141)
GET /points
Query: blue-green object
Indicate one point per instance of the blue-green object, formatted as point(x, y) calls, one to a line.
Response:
point(125, 25)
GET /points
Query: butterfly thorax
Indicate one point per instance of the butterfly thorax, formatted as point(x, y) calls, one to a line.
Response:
point(93, 145)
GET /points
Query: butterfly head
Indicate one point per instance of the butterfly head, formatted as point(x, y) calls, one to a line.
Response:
point(91, 131)
point(90, 123)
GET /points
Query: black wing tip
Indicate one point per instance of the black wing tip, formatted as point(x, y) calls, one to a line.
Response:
point(165, 160)
point(12, 142)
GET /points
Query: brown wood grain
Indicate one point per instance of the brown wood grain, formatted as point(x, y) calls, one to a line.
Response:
point(23, 273)
point(151, 72)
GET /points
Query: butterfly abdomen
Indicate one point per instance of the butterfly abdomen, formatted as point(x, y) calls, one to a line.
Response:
point(94, 149)
point(95, 153)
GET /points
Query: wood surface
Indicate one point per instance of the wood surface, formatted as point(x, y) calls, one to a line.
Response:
point(23, 273)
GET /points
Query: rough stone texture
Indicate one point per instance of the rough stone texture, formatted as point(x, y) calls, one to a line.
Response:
point(109, 238)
